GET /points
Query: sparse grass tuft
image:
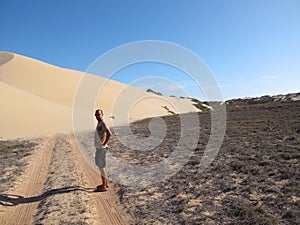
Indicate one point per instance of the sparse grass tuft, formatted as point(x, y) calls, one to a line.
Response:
point(242, 212)
point(169, 111)
point(199, 105)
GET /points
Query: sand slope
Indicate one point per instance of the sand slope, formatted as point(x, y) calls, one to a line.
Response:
point(37, 98)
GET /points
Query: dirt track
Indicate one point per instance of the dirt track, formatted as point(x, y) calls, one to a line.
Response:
point(56, 187)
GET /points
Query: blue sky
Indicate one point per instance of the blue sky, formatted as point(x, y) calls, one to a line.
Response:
point(252, 47)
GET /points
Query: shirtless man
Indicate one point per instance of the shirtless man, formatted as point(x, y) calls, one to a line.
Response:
point(102, 136)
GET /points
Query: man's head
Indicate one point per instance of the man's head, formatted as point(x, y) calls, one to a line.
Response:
point(99, 114)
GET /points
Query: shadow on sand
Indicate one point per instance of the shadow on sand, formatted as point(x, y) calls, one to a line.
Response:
point(12, 200)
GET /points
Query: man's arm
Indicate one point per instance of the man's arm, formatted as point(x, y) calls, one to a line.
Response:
point(108, 135)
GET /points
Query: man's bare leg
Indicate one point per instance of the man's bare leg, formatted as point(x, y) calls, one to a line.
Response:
point(103, 172)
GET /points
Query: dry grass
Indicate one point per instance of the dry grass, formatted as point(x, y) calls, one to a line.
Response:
point(12, 160)
point(253, 180)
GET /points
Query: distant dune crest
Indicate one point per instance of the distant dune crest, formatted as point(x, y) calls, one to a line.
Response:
point(291, 97)
point(5, 57)
point(39, 98)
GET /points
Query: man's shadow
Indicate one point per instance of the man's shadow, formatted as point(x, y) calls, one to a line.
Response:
point(12, 200)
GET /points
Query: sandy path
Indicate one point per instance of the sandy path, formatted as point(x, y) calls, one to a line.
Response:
point(33, 177)
point(108, 212)
point(57, 187)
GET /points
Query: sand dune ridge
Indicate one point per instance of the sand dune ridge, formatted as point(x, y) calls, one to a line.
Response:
point(38, 98)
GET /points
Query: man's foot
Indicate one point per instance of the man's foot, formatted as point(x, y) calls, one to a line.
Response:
point(101, 185)
point(99, 188)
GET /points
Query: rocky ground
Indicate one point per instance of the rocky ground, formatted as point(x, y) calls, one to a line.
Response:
point(253, 180)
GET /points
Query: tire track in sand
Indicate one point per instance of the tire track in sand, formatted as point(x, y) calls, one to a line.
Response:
point(67, 198)
point(27, 204)
point(34, 177)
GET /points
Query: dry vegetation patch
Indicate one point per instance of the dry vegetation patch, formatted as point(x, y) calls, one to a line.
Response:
point(13, 155)
point(253, 180)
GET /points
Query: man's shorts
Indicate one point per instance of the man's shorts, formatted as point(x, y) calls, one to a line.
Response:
point(100, 157)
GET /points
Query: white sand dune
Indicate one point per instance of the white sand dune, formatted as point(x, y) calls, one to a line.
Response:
point(37, 99)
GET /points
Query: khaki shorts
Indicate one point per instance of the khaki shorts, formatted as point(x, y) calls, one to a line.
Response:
point(100, 157)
